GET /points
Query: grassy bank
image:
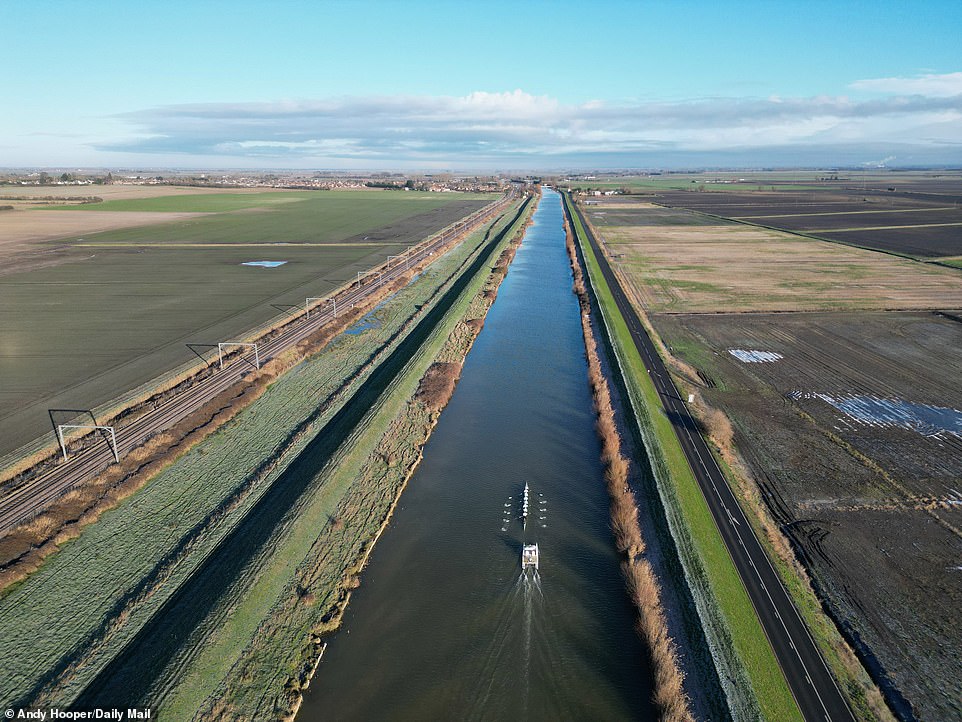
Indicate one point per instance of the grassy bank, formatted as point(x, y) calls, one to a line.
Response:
point(186, 512)
point(749, 671)
point(643, 587)
point(24, 548)
point(278, 645)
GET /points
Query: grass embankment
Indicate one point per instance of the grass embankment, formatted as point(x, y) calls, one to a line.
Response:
point(24, 548)
point(358, 491)
point(127, 308)
point(179, 519)
point(749, 671)
point(643, 587)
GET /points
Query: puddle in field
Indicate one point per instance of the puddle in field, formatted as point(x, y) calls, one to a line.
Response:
point(368, 320)
point(264, 264)
point(875, 411)
point(366, 323)
point(754, 357)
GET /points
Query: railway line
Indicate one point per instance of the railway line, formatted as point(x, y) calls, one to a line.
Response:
point(32, 497)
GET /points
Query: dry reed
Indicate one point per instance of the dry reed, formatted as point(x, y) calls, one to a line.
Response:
point(668, 695)
point(437, 384)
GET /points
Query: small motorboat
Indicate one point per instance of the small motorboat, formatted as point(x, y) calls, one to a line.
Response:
point(529, 556)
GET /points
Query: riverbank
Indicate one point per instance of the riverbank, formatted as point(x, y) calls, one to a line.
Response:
point(221, 497)
point(748, 669)
point(445, 625)
point(642, 583)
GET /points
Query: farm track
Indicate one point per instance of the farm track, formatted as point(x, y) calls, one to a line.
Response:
point(31, 498)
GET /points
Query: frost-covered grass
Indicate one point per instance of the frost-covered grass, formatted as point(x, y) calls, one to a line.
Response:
point(67, 621)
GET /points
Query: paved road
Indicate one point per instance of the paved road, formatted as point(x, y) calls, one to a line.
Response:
point(811, 683)
point(31, 498)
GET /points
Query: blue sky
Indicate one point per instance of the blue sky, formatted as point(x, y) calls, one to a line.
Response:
point(506, 85)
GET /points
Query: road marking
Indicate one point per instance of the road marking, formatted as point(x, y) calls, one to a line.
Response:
point(694, 447)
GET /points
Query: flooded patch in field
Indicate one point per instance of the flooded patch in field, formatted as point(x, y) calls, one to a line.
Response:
point(925, 419)
point(368, 320)
point(754, 357)
point(264, 264)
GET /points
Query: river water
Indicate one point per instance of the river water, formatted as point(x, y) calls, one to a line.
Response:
point(445, 625)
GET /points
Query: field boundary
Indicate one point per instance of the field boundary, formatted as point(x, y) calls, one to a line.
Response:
point(22, 463)
point(935, 261)
point(749, 672)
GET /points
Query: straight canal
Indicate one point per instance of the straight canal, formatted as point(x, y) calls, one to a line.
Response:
point(445, 625)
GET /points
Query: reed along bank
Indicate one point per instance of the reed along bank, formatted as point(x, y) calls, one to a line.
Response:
point(444, 625)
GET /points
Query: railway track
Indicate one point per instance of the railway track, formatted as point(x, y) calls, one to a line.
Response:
point(31, 498)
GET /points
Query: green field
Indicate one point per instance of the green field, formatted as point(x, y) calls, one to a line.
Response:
point(120, 312)
point(294, 217)
point(199, 203)
point(102, 592)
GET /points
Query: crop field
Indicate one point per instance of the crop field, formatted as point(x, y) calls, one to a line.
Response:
point(914, 215)
point(838, 368)
point(728, 186)
point(854, 435)
point(99, 315)
point(688, 266)
point(621, 213)
point(237, 496)
point(918, 241)
point(212, 202)
point(716, 182)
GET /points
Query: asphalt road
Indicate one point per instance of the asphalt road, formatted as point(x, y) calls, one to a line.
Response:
point(815, 690)
point(32, 497)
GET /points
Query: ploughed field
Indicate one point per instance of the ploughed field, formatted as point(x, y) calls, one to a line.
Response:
point(919, 217)
point(87, 317)
point(679, 263)
point(838, 368)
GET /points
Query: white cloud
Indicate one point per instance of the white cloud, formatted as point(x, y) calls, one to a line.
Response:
point(930, 84)
point(489, 128)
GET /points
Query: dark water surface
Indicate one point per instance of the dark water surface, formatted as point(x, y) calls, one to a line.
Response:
point(444, 625)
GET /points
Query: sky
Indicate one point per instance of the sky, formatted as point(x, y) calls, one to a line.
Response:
point(350, 85)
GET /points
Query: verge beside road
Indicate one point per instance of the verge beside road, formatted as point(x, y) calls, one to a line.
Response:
point(737, 592)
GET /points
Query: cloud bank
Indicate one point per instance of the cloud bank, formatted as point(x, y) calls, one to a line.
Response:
point(919, 117)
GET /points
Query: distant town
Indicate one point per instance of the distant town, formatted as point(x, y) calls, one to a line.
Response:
point(437, 183)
